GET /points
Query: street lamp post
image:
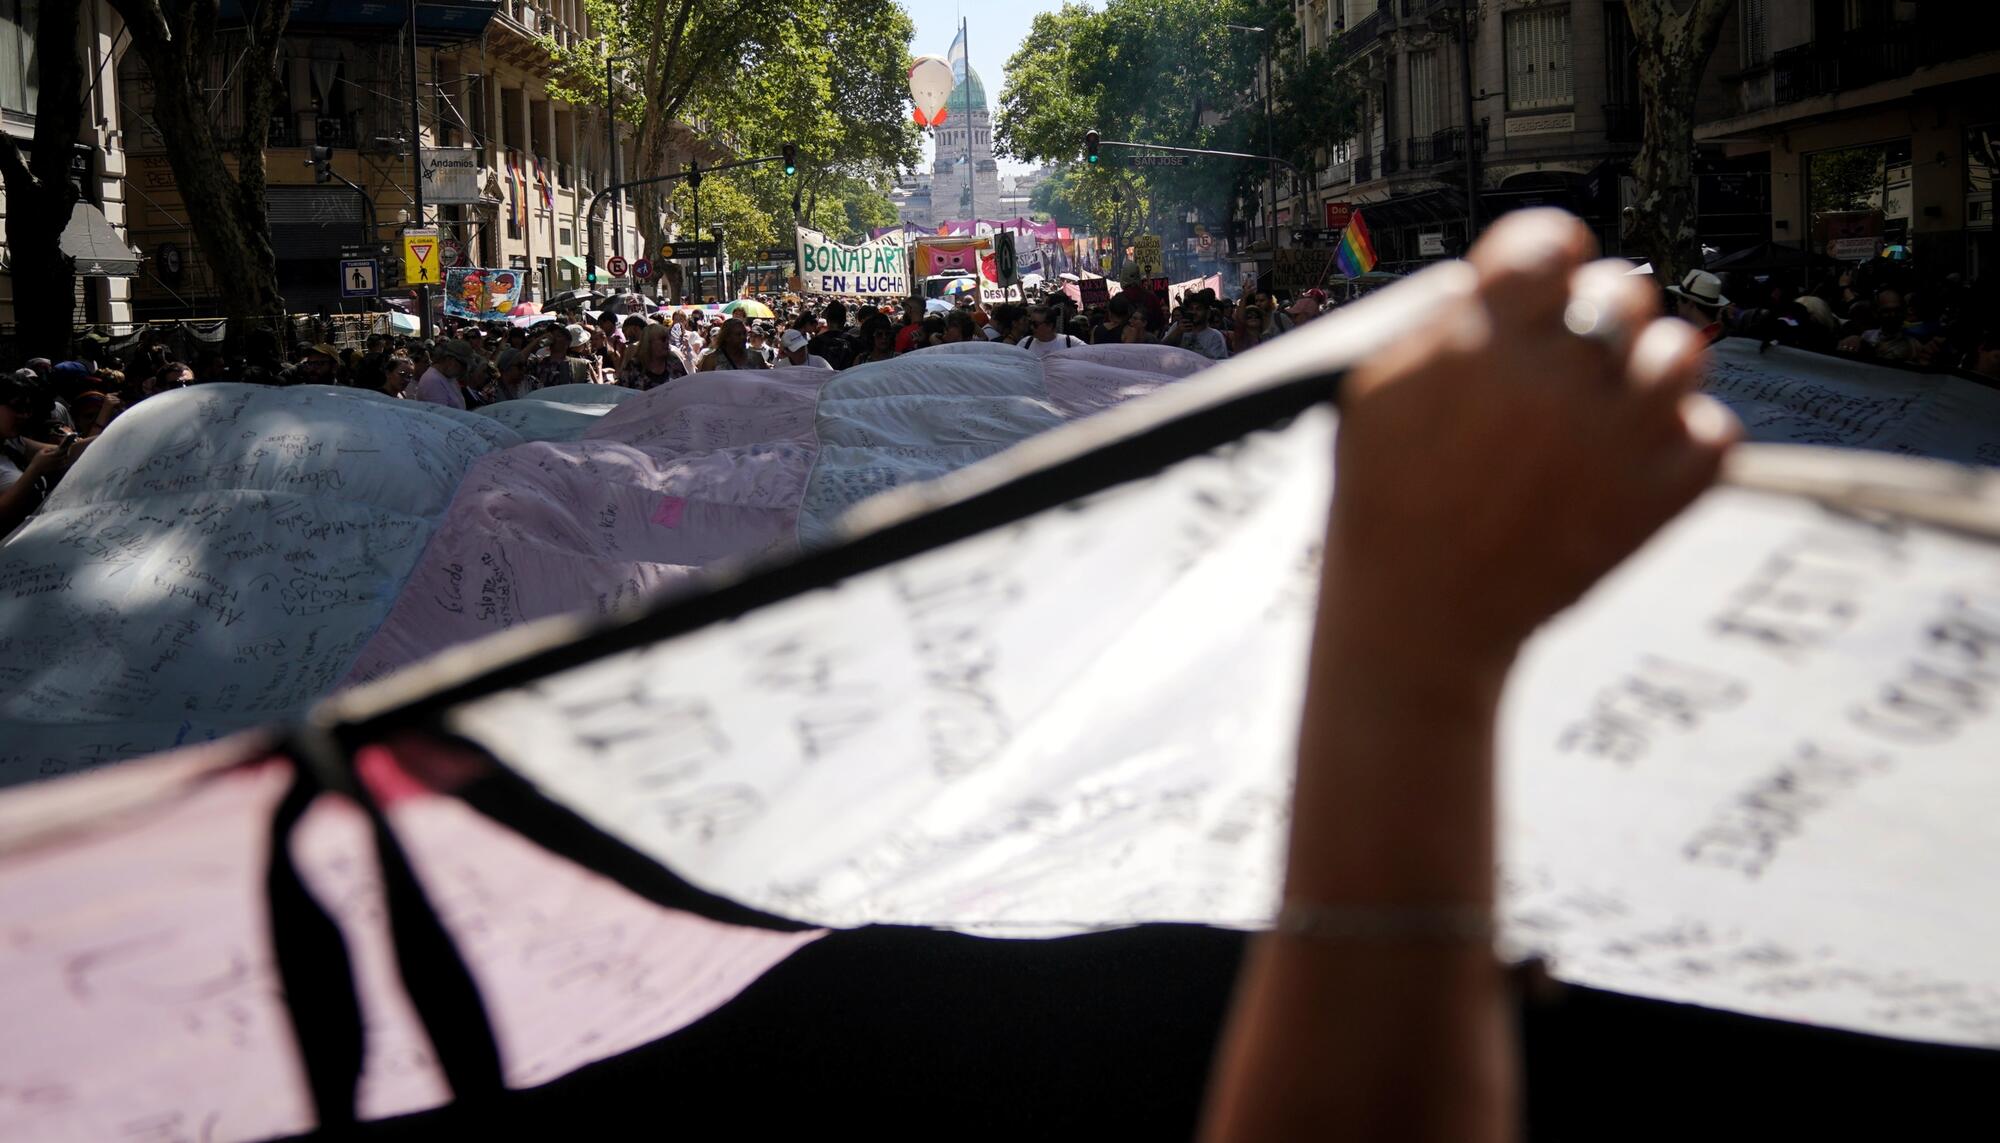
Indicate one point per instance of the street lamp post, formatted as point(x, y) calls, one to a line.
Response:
point(1270, 144)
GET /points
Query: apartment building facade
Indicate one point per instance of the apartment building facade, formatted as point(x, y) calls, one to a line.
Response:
point(1879, 121)
point(97, 233)
point(482, 89)
point(1555, 120)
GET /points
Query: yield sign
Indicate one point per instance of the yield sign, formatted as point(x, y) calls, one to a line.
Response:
point(420, 257)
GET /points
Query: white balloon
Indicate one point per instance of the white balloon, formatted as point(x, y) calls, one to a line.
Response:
point(930, 87)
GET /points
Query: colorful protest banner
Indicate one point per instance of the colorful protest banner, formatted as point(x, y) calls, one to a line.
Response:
point(479, 294)
point(879, 268)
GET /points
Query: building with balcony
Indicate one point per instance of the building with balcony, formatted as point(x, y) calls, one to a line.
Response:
point(103, 286)
point(482, 87)
point(1555, 120)
point(1879, 121)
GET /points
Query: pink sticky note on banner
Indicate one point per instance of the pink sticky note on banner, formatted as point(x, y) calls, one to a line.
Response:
point(669, 511)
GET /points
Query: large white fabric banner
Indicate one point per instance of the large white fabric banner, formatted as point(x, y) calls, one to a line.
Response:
point(1752, 770)
point(1790, 396)
point(878, 268)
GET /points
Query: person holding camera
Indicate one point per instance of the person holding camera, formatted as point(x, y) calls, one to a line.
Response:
point(30, 465)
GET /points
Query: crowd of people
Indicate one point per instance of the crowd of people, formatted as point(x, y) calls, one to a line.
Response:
point(1883, 311)
point(1887, 311)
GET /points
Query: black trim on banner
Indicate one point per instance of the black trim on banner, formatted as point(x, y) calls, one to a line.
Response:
point(1260, 390)
point(506, 797)
point(1082, 473)
point(314, 969)
point(310, 949)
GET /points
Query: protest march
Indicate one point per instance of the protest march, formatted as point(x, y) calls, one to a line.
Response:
point(1195, 596)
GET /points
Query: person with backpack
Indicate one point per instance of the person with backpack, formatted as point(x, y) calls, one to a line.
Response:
point(1047, 336)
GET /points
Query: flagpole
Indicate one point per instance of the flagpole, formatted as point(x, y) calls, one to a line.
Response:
point(971, 187)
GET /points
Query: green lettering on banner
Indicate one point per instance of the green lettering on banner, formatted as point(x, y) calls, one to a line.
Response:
point(878, 268)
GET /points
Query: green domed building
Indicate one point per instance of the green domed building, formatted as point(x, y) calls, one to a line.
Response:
point(948, 182)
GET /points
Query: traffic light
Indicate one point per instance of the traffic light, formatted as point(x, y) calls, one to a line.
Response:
point(1090, 146)
point(321, 160)
point(791, 153)
point(590, 277)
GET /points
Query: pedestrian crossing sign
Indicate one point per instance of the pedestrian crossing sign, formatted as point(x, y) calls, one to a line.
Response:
point(420, 257)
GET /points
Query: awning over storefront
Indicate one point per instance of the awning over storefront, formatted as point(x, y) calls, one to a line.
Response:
point(1442, 204)
point(571, 269)
point(94, 245)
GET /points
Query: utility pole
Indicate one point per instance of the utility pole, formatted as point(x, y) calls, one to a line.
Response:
point(417, 170)
point(611, 155)
point(694, 190)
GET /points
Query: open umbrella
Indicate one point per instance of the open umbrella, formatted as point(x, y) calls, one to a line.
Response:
point(574, 297)
point(960, 286)
point(525, 309)
point(937, 306)
point(748, 308)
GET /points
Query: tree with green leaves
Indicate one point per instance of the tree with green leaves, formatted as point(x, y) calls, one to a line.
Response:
point(177, 40)
point(1113, 203)
point(1169, 72)
point(826, 75)
point(40, 196)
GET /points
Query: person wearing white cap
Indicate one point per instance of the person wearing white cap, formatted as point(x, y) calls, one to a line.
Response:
point(1698, 301)
point(795, 352)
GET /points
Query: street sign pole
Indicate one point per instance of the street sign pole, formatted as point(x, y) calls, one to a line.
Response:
point(692, 175)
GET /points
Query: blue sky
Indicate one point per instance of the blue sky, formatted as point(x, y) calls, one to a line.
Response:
point(995, 29)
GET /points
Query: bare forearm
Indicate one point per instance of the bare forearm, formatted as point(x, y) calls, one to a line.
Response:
point(1382, 1036)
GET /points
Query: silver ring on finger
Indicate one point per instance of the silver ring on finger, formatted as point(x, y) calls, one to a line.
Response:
point(1594, 322)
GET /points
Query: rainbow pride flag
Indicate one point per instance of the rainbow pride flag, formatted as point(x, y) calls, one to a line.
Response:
point(1356, 253)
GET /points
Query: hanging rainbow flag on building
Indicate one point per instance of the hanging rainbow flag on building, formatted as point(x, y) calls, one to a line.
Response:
point(1356, 253)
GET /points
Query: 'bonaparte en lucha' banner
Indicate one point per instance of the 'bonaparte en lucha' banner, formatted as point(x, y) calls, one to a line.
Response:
point(878, 268)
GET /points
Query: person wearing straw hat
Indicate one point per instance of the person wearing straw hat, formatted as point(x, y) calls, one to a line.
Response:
point(1698, 301)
